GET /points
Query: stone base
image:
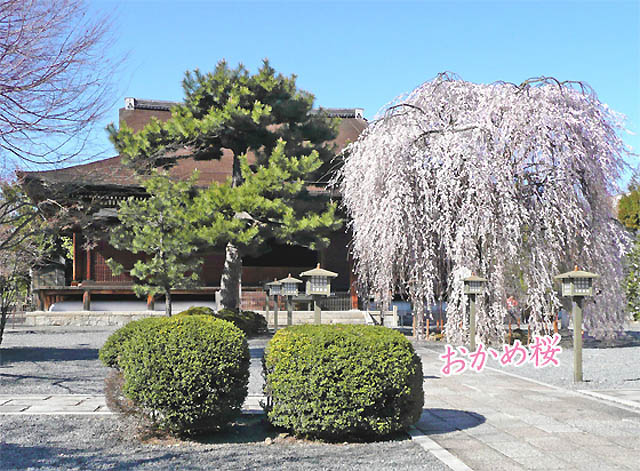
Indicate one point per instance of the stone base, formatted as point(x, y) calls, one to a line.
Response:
point(112, 318)
point(327, 317)
point(85, 318)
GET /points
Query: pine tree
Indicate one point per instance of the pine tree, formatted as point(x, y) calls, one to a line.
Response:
point(629, 216)
point(160, 228)
point(264, 114)
point(272, 204)
point(629, 208)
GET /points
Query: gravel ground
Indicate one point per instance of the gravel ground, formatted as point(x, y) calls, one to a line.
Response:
point(64, 360)
point(52, 360)
point(80, 443)
point(605, 365)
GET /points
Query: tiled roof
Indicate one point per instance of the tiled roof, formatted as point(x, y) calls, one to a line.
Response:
point(142, 104)
point(161, 105)
point(112, 172)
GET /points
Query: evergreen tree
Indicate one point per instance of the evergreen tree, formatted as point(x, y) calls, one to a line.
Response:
point(263, 114)
point(629, 216)
point(629, 208)
point(160, 228)
point(632, 280)
point(271, 204)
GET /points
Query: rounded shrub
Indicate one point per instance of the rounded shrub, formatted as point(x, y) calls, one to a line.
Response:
point(198, 311)
point(110, 351)
point(251, 323)
point(342, 381)
point(188, 374)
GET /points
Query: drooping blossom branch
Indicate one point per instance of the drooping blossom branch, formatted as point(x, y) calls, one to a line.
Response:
point(511, 182)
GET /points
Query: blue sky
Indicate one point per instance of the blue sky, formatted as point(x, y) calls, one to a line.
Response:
point(363, 54)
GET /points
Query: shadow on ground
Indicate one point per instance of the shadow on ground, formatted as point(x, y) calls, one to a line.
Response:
point(436, 421)
point(246, 429)
point(50, 457)
point(628, 338)
point(18, 354)
point(254, 428)
point(256, 352)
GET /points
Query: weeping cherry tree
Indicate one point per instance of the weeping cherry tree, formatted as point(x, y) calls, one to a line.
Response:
point(512, 182)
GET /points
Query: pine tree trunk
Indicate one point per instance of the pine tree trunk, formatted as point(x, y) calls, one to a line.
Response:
point(167, 302)
point(232, 271)
point(231, 278)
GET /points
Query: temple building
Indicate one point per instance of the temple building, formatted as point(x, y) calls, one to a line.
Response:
point(88, 282)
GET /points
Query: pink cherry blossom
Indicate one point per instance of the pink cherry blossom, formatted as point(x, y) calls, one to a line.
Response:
point(511, 182)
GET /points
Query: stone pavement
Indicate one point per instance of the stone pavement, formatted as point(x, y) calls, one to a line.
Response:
point(625, 397)
point(487, 421)
point(78, 404)
point(64, 404)
point(497, 421)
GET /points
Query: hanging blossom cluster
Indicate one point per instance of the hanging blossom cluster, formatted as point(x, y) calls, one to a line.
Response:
point(511, 182)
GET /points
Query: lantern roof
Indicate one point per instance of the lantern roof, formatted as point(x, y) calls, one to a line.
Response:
point(474, 278)
point(273, 283)
point(317, 271)
point(576, 274)
point(290, 279)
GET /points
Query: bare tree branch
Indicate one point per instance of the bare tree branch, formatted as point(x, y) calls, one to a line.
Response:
point(55, 78)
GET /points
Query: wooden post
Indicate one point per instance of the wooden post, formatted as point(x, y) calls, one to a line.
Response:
point(86, 301)
point(151, 303)
point(472, 321)
point(266, 307)
point(39, 301)
point(289, 311)
point(275, 312)
point(577, 339)
point(428, 330)
point(528, 334)
point(88, 273)
point(352, 286)
point(317, 314)
point(76, 254)
point(510, 332)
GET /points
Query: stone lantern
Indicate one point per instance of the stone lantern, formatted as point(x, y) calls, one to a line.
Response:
point(577, 285)
point(274, 289)
point(319, 284)
point(289, 289)
point(473, 286)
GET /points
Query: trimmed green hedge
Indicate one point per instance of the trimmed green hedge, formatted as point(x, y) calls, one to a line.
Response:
point(112, 348)
point(342, 381)
point(197, 311)
point(251, 323)
point(189, 374)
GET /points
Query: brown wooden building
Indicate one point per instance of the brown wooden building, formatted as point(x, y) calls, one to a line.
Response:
point(109, 181)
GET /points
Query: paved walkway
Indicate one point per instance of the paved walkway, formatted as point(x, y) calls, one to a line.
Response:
point(498, 421)
point(488, 421)
point(79, 404)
